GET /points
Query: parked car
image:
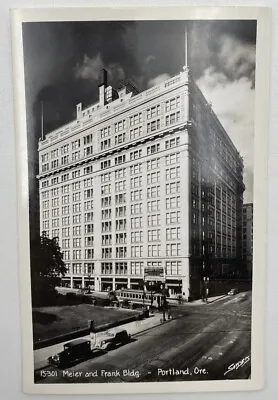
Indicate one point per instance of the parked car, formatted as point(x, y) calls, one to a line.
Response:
point(233, 292)
point(113, 339)
point(73, 352)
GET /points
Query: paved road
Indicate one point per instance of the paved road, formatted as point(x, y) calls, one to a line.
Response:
point(203, 342)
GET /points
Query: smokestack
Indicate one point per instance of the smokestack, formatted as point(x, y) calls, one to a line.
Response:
point(102, 86)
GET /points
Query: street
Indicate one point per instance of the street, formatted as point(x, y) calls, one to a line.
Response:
point(202, 342)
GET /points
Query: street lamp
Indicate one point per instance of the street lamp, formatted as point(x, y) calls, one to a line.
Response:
point(151, 285)
point(163, 290)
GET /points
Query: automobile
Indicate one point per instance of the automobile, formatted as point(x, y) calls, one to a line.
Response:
point(73, 352)
point(113, 339)
point(233, 292)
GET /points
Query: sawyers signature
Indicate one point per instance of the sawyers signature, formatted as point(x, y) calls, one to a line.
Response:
point(237, 365)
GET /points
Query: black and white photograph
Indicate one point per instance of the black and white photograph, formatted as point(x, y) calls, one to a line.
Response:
point(140, 199)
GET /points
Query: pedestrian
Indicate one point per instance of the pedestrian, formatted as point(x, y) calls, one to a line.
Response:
point(169, 313)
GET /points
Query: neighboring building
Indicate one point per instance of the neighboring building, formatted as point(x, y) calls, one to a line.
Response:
point(143, 180)
point(247, 237)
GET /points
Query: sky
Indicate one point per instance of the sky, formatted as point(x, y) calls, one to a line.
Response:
point(62, 62)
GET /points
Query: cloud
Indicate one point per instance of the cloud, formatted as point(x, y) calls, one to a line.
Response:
point(90, 69)
point(233, 103)
point(158, 79)
point(237, 59)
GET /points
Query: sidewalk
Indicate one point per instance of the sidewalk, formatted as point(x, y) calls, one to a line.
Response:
point(133, 328)
point(210, 300)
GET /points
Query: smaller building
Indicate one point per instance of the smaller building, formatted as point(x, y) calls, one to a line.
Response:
point(247, 237)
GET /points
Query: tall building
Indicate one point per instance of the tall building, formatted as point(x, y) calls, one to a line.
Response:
point(143, 181)
point(247, 237)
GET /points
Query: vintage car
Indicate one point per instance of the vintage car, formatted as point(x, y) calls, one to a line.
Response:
point(233, 292)
point(74, 352)
point(113, 339)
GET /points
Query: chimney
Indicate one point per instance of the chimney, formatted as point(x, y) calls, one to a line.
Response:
point(102, 86)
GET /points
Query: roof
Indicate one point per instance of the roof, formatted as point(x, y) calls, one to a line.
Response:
point(76, 342)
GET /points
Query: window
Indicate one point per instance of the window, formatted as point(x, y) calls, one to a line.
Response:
point(76, 230)
point(66, 255)
point(76, 219)
point(154, 235)
point(120, 125)
point(76, 242)
point(45, 204)
point(105, 177)
point(75, 174)
point(173, 249)
point(106, 214)
point(89, 228)
point(172, 173)
point(136, 132)
point(153, 192)
point(105, 164)
point(120, 238)
point(172, 202)
point(45, 224)
point(121, 211)
point(120, 186)
point(88, 205)
point(89, 268)
point(54, 192)
point(154, 250)
point(76, 254)
point(153, 126)
point(65, 232)
point(44, 157)
point(55, 233)
point(89, 254)
point(153, 164)
point(45, 184)
point(173, 268)
point(65, 210)
point(88, 139)
point(75, 145)
point(65, 149)
point(88, 182)
point(135, 169)
point(153, 205)
point(173, 233)
point(153, 111)
point(45, 214)
point(154, 220)
point(119, 138)
point(172, 217)
point(55, 181)
point(121, 252)
point(45, 167)
point(136, 208)
point(136, 222)
point(55, 163)
point(120, 173)
point(88, 193)
point(77, 268)
point(136, 268)
point(169, 144)
point(120, 224)
point(106, 252)
point(76, 196)
point(54, 153)
point(172, 118)
point(88, 170)
point(120, 159)
point(76, 186)
point(45, 195)
point(105, 144)
point(104, 132)
point(153, 177)
point(65, 243)
point(106, 226)
point(135, 119)
point(136, 237)
point(106, 268)
point(105, 189)
point(172, 104)
point(173, 158)
point(106, 239)
point(89, 216)
point(55, 223)
point(55, 212)
point(65, 199)
point(88, 151)
point(136, 182)
point(106, 201)
point(134, 155)
point(136, 251)
point(153, 149)
point(172, 188)
point(120, 198)
point(121, 268)
point(136, 195)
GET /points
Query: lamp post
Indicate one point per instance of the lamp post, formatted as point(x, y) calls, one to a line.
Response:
point(151, 285)
point(163, 290)
point(206, 287)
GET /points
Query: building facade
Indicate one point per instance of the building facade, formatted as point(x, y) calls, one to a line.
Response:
point(247, 237)
point(139, 181)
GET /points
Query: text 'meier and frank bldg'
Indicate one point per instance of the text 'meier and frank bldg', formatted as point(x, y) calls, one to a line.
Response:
point(142, 181)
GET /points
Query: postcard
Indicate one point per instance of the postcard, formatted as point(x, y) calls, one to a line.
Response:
point(141, 139)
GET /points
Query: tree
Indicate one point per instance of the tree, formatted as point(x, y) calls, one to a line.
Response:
point(47, 268)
